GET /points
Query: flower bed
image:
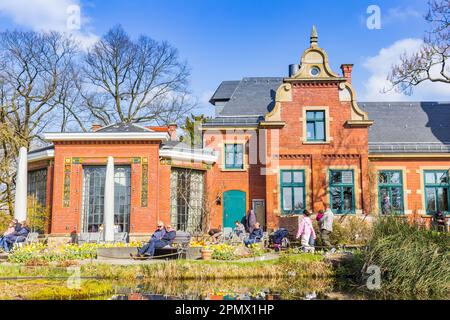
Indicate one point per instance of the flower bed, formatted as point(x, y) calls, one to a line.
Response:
point(223, 251)
point(64, 252)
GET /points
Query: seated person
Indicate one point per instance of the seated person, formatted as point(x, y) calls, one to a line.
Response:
point(16, 236)
point(17, 225)
point(215, 235)
point(10, 230)
point(255, 236)
point(159, 232)
point(239, 228)
point(148, 250)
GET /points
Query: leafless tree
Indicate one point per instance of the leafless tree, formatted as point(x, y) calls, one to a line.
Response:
point(128, 80)
point(34, 73)
point(431, 62)
point(33, 76)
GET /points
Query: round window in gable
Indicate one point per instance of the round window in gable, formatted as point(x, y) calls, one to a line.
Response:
point(315, 71)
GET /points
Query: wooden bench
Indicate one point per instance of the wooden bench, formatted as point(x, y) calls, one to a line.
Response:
point(177, 249)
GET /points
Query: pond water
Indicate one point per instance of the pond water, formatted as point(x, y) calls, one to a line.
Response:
point(243, 289)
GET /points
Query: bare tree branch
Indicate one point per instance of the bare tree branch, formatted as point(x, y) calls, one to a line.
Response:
point(134, 81)
point(431, 62)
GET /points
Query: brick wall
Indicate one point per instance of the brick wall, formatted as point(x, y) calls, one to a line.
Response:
point(220, 180)
point(67, 220)
point(412, 169)
point(347, 148)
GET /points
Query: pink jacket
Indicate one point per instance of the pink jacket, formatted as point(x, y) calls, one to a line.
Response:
point(305, 227)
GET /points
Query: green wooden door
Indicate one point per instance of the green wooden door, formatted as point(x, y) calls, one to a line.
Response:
point(233, 207)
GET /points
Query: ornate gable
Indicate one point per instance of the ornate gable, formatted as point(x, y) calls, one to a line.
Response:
point(315, 70)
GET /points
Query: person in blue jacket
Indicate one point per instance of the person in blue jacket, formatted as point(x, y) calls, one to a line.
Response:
point(255, 236)
point(16, 236)
point(148, 250)
point(159, 232)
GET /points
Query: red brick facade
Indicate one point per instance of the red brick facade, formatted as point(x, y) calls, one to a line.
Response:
point(142, 219)
point(279, 142)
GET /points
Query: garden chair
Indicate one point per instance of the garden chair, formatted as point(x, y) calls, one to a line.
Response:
point(227, 234)
point(265, 239)
point(95, 237)
point(83, 238)
point(32, 237)
point(120, 237)
point(235, 239)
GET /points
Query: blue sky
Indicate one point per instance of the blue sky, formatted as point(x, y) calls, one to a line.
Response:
point(231, 39)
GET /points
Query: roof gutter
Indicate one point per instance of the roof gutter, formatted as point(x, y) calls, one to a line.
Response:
point(107, 136)
point(41, 155)
point(188, 156)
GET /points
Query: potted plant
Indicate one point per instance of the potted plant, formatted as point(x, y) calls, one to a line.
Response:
point(206, 253)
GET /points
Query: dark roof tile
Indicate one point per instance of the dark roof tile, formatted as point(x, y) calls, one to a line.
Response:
point(253, 97)
point(224, 91)
point(408, 122)
point(123, 127)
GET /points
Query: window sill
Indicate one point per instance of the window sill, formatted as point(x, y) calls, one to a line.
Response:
point(233, 170)
point(428, 215)
point(316, 142)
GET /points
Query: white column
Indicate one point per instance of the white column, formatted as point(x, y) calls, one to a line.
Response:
point(20, 204)
point(108, 217)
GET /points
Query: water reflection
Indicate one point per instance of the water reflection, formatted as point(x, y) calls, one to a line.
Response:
point(231, 289)
point(262, 289)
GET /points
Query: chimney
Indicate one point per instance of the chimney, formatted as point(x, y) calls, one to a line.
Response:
point(172, 129)
point(293, 69)
point(347, 72)
point(95, 127)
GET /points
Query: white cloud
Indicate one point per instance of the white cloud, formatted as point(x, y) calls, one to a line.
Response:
point(401, 14)
point(379, 67)
point(47, 15)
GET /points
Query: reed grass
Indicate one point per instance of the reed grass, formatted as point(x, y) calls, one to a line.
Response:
point(414, 261)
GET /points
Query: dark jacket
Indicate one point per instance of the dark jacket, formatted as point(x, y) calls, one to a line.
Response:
point(20, 235)
point(17, 227)
point(158, 234)
point(168, 237)
point(256, 234)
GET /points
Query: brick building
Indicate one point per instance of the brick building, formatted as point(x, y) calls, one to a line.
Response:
point(275, 145)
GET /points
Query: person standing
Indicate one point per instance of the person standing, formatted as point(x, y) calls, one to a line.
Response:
point(251, 221)
point(326, 228)
point(306, 232)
